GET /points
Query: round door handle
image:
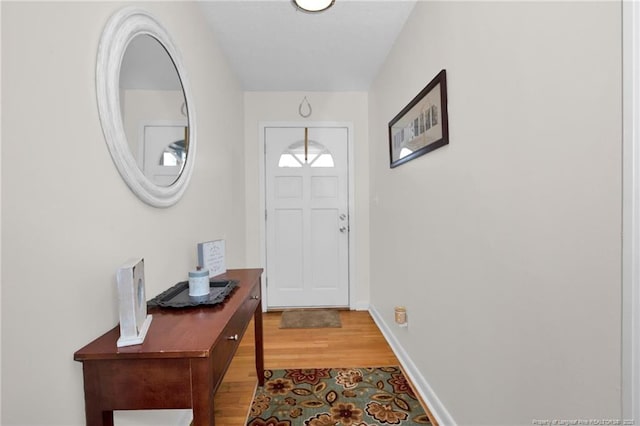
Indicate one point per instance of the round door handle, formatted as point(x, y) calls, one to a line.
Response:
point(255, 297)
point(343, 229)
point(234, 337)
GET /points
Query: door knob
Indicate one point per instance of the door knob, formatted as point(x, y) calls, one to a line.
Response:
point(343, 229)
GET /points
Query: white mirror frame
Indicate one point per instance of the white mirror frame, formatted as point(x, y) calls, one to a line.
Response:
point(122, 27)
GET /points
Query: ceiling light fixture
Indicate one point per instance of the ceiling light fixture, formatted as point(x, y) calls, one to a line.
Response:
point(313, 5)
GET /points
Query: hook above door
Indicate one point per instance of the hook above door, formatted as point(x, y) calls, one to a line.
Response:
point(300, 108)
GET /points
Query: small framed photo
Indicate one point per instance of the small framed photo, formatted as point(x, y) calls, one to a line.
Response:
point(421, 126)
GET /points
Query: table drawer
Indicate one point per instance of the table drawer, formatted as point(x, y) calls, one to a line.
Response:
point(230, 337)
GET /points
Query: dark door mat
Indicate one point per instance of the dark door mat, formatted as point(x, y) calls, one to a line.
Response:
point(310, 318)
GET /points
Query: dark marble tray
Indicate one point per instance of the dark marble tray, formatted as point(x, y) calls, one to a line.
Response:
point(178, 295)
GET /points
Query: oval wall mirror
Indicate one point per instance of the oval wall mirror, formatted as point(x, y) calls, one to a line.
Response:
point(145, 107)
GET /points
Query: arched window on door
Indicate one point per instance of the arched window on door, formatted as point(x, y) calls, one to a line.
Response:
point(317, 155)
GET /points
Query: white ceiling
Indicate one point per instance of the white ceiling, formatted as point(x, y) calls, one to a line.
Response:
point(272, 46)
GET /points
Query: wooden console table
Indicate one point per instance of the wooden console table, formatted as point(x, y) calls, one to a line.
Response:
point(181, 362)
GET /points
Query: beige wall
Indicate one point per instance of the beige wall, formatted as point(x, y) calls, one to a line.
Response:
point(69, 220)
point(505, 244)
point(265, 107)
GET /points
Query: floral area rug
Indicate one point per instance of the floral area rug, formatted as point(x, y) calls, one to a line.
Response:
point(336, 396)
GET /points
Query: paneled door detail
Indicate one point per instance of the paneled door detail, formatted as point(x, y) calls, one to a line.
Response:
point(307, 218)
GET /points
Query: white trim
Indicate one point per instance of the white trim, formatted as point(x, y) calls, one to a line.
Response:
point(422, 386)
point(351, 197)
point(630, 359)
point(359, 306)
point(121, 28)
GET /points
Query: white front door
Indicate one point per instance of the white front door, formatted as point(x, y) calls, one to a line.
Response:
point(307, 218)
point(164, 152)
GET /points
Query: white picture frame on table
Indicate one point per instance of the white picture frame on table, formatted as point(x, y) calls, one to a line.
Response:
point(211, 256)
point(134, 321)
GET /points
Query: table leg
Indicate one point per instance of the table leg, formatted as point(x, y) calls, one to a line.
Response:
point(99, 418)
point(257, 316)
point(95, 414)
point(202, 392)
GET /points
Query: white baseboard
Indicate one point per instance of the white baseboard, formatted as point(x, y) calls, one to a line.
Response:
point(360, 306)
point(422, 386)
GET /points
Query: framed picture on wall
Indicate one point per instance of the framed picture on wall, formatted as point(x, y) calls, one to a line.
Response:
point(421, 126)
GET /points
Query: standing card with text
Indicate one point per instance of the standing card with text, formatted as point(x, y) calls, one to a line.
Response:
point(211, 256)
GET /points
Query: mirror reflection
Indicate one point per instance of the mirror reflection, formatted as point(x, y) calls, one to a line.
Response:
point(154, 111)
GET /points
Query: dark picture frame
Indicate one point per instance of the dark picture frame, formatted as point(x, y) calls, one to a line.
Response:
point(423, 125)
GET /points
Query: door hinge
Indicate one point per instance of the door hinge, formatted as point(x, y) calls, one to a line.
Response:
point(265, 215)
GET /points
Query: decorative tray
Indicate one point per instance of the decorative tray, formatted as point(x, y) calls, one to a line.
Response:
point(178, 295)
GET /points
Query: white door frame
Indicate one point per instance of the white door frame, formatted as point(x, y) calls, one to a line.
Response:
point(153, 123)
point(353, 228)
point(630, 404)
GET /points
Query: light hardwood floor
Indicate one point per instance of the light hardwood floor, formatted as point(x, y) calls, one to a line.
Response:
point(358, 343)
